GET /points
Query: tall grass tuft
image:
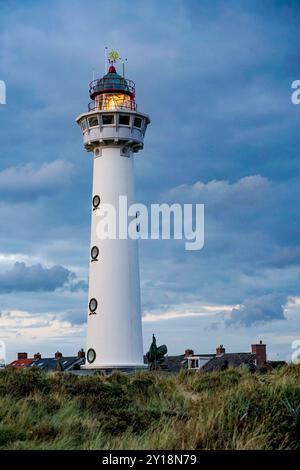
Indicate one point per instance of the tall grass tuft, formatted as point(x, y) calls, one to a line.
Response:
point(219, 410)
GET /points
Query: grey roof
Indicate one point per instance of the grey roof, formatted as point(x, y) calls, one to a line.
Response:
point(233, 359)
point(51, 364)
point(175, 363)
point(170, 363)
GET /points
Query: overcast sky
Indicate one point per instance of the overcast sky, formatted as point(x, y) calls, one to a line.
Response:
point(215, 77)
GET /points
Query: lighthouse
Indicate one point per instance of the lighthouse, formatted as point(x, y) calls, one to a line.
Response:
point(113, 131)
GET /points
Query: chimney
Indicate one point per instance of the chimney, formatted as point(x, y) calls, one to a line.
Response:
point(220, 351)
point(37, 356)
point(81, 353)
point(188, 352)
point(58, 355)
point(260, 350)
point(22, 355)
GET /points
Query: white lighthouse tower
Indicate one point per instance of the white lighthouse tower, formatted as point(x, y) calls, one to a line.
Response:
point(113, 129)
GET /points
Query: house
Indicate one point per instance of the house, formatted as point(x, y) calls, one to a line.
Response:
point(184, 361)
point(195, 361)
point(60, 362)
point(219, 363)
point(50, 364)
point(256, 359)
point(22, 362)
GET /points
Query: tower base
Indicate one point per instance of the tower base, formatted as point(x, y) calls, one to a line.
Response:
point(107, 370)
point(115, 366)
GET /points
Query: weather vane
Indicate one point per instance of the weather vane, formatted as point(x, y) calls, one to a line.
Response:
point(113, 56)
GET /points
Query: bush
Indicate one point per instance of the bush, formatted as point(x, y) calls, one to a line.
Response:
point(20, 383)
point(8, 435)
point(141, 385)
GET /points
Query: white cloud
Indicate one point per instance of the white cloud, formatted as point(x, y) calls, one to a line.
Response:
point(150, 317)
point(29, 325)
point(222, 191)
point(187, 310)
point(32, 332)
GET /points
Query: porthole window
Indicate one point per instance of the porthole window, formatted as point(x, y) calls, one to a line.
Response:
point(107, 119)
point(93, 121)
point(96, 201)
point(124, 120)
point(93, 304)
point(94, 253)
point(137, 122)
point(91, 355)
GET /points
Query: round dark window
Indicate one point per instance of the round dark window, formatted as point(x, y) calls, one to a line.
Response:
point(91, 355)
point(93, 305)
point(94, 253)
point(96, 201)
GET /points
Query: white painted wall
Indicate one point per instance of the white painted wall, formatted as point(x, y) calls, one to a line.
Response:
point(115, 331)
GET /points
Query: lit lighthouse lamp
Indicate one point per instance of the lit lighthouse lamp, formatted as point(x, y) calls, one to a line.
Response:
point(113, 129)
point(112, 92)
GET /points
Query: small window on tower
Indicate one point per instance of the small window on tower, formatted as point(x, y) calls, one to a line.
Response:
point(96, 201)
point(93, 304)
point(91, 355)
point(137, 122)
point(94, 253)
point(93, 121)
point(83, 125)
point(124, 120)
point(107, 119)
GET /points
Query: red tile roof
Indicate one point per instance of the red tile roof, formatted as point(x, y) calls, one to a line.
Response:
point(21, 363)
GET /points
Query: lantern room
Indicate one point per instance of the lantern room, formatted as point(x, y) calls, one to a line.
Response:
point(112, 117)
point(112, 92)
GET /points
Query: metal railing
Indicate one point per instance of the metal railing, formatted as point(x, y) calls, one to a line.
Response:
point(93, 106)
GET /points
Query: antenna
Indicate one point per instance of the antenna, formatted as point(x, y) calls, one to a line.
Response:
point(105, 59)
point(123, 65)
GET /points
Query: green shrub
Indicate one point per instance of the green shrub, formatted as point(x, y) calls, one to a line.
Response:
point(20, 383)
point(8, 435)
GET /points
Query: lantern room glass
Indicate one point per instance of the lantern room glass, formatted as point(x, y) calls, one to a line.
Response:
point(111, 101)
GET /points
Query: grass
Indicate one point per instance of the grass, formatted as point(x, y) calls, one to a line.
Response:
point(221, 410)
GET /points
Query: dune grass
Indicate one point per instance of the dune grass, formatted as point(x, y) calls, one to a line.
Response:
point(221, 410)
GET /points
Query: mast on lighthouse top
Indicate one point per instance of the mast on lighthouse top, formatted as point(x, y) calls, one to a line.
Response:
point(112, 117)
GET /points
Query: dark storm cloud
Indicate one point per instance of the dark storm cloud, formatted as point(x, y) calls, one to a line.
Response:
point(36, 278)
point(259, 309)
point(75, 316)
